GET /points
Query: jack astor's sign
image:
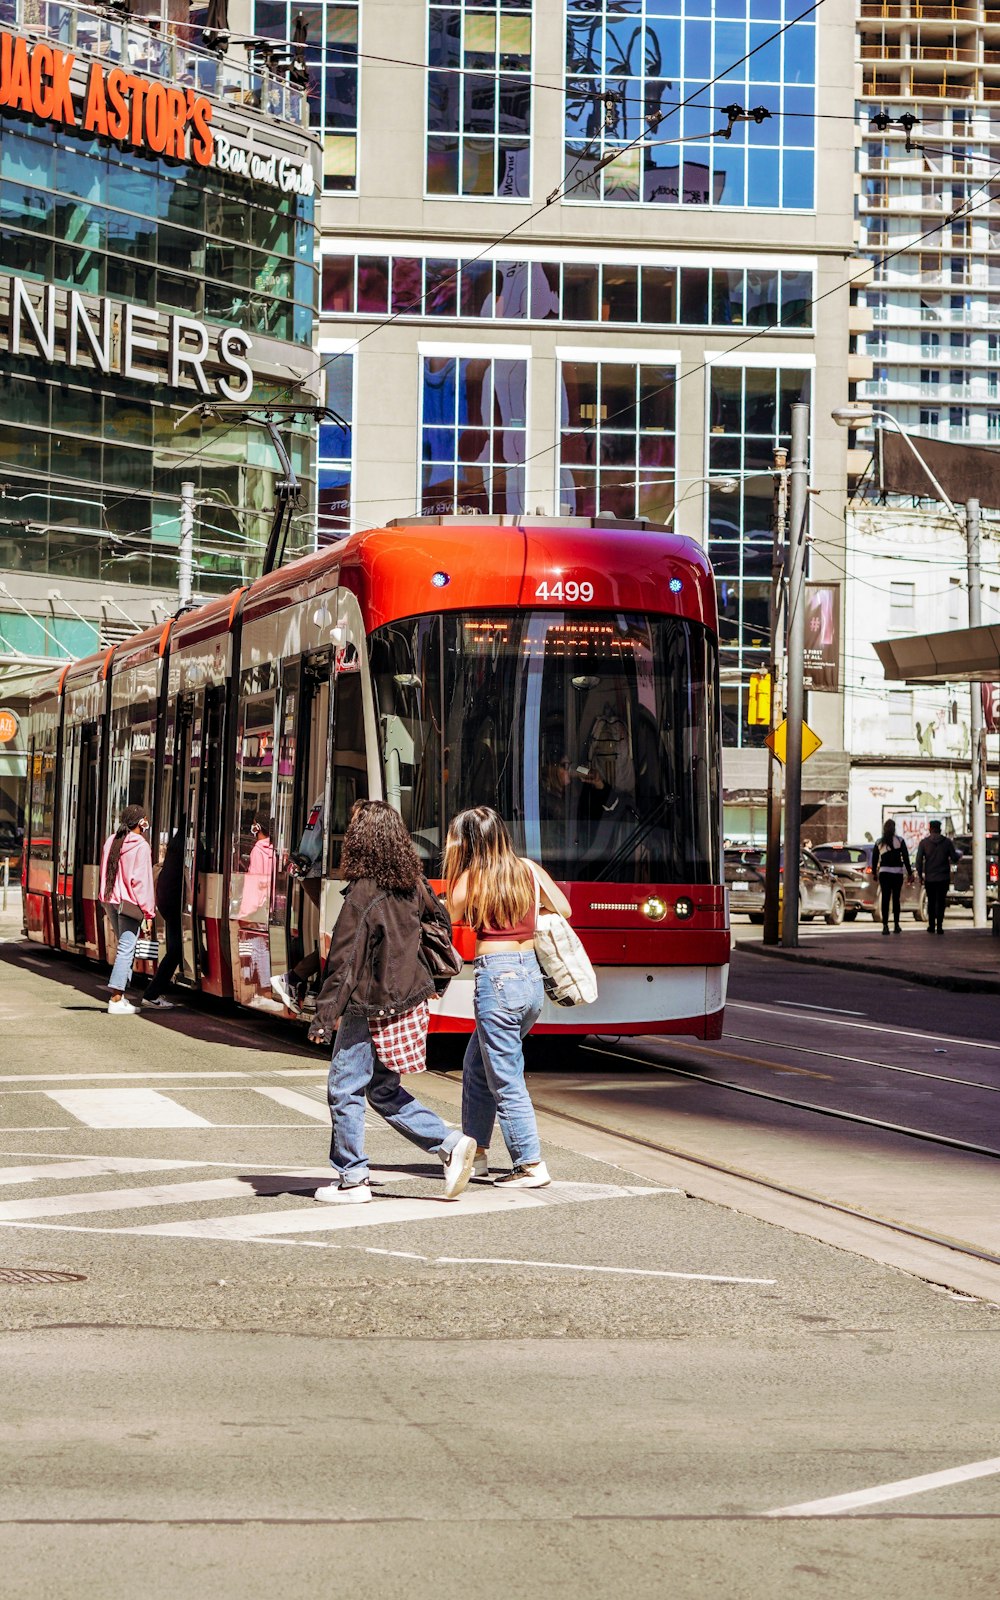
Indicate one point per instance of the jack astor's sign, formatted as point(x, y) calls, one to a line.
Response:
point(60, 326)
point(117, 105)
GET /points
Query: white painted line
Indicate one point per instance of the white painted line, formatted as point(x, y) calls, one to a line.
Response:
point(577, 1266)
point(90, 1167)
point(383, 1212)
point(171, 1194)
point(839, 1503)
point(875, 1027)
point(302, 1103)
point(125, 1108)
point(254, 1127)
point(123, 1077)
point(802, 1005)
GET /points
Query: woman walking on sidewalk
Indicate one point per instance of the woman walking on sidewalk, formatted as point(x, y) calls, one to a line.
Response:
point(127, 892)
point(491, 887)
point(376, 972)
point(890, 859)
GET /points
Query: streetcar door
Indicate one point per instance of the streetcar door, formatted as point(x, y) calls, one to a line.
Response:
point(86, 843)
point(299, 790)
point(210, 911)
point(187, 755)
point(65, 878)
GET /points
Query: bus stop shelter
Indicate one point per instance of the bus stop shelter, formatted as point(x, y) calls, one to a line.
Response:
point(962, 655)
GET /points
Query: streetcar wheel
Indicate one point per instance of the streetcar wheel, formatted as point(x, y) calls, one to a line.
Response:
point(835, 915)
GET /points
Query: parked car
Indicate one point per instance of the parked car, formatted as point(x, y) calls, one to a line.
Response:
point(856, 860)
point(960, 893)
point(11, 840)
point(820, 893)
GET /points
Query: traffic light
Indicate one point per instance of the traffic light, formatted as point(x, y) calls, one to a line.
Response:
point(759, 714)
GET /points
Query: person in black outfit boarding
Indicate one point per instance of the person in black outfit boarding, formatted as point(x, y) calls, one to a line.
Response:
point(169, 893)
point(936, 854)
point(890, 859)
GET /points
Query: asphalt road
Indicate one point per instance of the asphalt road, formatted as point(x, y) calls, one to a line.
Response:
point(609, 1383)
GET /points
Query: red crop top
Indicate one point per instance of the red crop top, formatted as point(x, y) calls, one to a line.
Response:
point(525, 929)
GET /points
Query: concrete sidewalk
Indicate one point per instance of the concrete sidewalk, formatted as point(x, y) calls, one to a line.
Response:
point(965, 959)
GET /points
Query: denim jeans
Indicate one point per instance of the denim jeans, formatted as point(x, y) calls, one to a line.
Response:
point(508, 999)
point(126, 931)
point(356, 1073)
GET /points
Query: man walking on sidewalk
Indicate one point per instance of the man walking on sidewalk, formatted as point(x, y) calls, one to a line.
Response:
point(936, 854)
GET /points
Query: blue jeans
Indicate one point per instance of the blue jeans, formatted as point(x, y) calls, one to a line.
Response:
point(508, 999)
point(356, 1073)
point(126, 931)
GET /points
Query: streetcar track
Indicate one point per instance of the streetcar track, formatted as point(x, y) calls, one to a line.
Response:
point(836, 1021)
point(863, 1061)
point(803, 1105)
point(925, 1236)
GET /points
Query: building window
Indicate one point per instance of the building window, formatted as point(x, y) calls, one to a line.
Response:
point(749, 415)
point(336, 455)
point(626, 75)
point(902, 599)
point(331, 52)
point(582, 292)
point(473, 430)
point(479, 98)
point(900, 714)
point(616, 443)
point(955, 602)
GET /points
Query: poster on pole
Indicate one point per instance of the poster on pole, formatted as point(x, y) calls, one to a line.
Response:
point(821, 661)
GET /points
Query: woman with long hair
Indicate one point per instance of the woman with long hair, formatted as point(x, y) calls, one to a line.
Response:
point(376, 974)
point(127, 892)
point(890, 859)
point(499, 893)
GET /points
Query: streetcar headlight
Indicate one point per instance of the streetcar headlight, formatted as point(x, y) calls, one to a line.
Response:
point(654, 908)
point(684, 908)
point(440, 579)
point(676, 585)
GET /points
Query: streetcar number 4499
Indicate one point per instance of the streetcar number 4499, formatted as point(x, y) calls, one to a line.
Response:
point(565, 591)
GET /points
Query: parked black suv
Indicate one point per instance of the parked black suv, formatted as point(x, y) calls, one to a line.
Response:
point(960, 893)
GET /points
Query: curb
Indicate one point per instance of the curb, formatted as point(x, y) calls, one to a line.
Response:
point(933, 980)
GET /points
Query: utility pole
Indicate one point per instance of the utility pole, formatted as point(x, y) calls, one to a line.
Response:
point(185, 563)
point(798, 475)
point(772, 878)
point(977, 793)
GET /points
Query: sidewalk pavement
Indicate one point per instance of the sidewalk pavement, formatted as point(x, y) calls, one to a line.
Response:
point(966, 959)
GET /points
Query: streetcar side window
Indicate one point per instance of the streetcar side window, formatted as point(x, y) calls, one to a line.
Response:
point(406, 673)
point(133, 755)
point(43, 803)
point(349, 766)
point(254, 771)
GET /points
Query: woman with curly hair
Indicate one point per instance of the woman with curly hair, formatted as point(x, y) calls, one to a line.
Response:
point(499, 893)
point(376, 973)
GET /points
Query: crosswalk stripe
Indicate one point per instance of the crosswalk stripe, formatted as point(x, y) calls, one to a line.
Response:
point(125, 1108)
point(321, 1219)
point(297, 1102)
point(172, 1194)
point(89, 1167)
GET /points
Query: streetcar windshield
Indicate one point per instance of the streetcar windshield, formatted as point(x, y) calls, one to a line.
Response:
point(595, 737)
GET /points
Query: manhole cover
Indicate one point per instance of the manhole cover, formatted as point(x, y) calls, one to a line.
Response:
point(39, 1275)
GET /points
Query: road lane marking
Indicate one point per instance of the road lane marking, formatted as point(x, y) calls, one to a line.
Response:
point(577, 1266)
point(839, 1503)
point(319, 1073)
point(803, 1005)
point(125, 1108)
point(173, 1194)
point(864, 1061)
point(383, 1212)
point(874, 1027)
point(301, 1103)
point(90, 1167)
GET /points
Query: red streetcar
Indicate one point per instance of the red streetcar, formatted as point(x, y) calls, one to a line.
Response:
point(564, 672)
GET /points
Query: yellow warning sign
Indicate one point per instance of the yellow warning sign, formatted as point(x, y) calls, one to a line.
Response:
point(778, 740)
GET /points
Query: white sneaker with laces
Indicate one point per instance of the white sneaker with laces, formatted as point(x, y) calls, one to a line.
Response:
point(286, 994)
point(345, 1194)
point(457, 1165)
point(481, 1165)
point(122, 1008)
point(531, 1175)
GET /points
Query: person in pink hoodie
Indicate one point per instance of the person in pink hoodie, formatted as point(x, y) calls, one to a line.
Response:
point(127, 892)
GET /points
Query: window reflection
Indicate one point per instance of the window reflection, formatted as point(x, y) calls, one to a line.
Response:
point(479, 98)
point(617, 440)
point(332, 59)
point(473, 420)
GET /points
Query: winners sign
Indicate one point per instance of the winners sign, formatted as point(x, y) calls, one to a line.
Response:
point(116, 105)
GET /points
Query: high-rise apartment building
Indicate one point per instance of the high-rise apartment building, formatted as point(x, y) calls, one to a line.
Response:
point(935, 305)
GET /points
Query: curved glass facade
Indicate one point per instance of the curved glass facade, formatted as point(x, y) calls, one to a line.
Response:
point(134, 287)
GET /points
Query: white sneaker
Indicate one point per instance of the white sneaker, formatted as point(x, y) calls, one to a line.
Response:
point(481, 1165)
point(458, 1166)
point(159, 1003)
point(345, 1194)
point(122, 1008)
point(532, 1175)
point(286, 994)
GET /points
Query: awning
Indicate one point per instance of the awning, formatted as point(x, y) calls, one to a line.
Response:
point(962, 655)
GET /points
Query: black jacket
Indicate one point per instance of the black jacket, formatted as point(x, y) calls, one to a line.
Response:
point(892, 857)
point(935, 855)
point(170, 882)
point(375, 964)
